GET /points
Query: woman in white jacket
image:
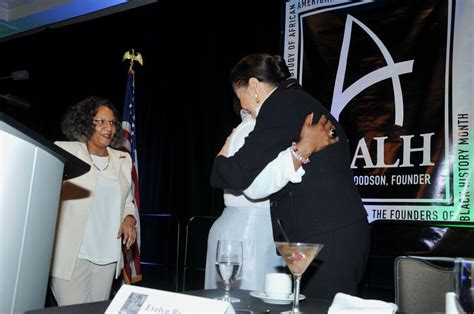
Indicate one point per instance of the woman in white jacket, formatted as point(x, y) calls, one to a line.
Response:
point(97, 214)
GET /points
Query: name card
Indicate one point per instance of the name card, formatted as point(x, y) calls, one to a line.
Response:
point(132, 299)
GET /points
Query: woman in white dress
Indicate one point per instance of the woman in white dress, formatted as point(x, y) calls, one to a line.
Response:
point(246, 216)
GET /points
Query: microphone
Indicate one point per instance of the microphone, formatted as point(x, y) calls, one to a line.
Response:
point(21, 75)
point(15, 101)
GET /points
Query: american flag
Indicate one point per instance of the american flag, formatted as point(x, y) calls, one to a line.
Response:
point(131, 270)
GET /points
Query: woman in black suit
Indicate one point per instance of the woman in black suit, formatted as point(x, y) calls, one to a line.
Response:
point(325, 207)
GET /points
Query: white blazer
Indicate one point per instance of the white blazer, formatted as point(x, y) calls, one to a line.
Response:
point(76, 202)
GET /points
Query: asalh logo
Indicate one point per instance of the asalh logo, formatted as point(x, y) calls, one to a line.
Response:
point(391, 71)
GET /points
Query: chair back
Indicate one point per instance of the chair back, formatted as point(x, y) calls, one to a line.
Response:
point(197, 231)
point(421, 283)
point(159, 251)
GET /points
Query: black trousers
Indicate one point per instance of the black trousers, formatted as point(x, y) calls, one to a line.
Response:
point(340, 265)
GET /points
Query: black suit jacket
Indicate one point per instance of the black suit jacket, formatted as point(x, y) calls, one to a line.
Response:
point(326, 199)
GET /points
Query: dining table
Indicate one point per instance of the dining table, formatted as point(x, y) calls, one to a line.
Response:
point(248, 304)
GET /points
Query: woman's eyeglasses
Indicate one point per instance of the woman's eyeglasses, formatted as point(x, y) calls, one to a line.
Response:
point(103, 122)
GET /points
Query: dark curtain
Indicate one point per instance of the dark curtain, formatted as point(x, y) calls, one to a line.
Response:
point(184, 109)
point(183, 103)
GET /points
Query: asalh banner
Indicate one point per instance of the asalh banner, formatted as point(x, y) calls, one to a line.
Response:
point(398, 75)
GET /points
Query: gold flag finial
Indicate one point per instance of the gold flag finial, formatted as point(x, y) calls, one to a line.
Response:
point(133, 56)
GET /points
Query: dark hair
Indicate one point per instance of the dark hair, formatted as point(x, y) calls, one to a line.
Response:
point(77, 122)
point(264, 67)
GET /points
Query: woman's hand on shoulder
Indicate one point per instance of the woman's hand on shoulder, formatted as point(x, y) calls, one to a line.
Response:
point(315, 137)
point(127, 231)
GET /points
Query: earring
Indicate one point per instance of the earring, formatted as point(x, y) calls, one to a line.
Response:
point(257, 99)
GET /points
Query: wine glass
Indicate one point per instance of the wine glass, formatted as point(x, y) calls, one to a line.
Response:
point(464, 283)
point(297, 256)
point(228, 264)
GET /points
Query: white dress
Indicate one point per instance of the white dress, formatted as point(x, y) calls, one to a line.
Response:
point(249, 221)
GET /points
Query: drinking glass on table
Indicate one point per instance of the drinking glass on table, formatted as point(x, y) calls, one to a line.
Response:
point(228, 264)
point(464, 283)
point(297, 256)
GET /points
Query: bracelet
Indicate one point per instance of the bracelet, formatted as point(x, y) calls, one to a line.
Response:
point(296, 153)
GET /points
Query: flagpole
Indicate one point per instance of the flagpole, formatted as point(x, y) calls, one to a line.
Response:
point(132, 270)
point(133, 56)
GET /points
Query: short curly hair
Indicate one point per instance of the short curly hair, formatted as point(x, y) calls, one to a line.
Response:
point(77, 122)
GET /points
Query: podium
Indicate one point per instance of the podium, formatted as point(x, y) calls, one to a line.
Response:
point(31, 172)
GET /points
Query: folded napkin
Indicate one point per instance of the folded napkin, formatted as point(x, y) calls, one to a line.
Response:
point(344, 303)
point(452, 304)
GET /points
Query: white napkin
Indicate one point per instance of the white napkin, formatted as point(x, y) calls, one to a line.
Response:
point(452, 305)
point(344, 303)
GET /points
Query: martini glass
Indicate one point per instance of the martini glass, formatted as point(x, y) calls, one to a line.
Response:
point(298, 256)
